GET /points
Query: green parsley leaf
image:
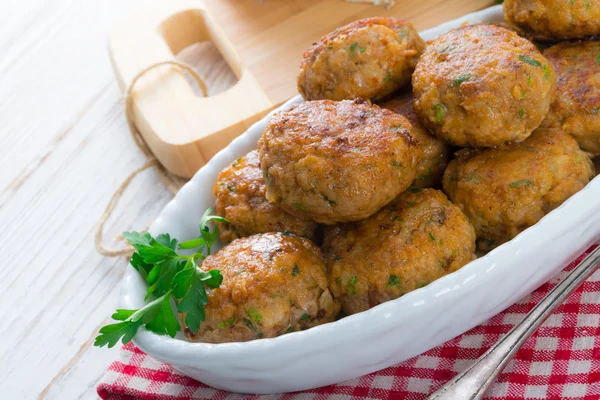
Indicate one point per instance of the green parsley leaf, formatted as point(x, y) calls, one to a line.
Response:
point(165, 240)
point(255, 315)
point(169, 275)
point(167, 271)
point(457, 82)
point(295, 270)
point(193, 302)
point(151, 250)
point(138, 263)
point(111, 334)
point(192, 244)
point(212, 278)
point(122, 315)
point(522, 182)
point(393, 280)
point(299, 207)
point(530, 61)
point(440, 110)
point(126, 330)
point(228, 322)
point(165, 322)
point(352, 285)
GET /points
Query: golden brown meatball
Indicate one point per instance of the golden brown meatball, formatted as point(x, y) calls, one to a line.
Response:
point(576, 108)
point(482, 86)
point(506, 190)
point(337, 161)
point(436, 153)
point(555, 19)
point(240, 192)
point(272, 284)
point(369, 58)
point(411, 242)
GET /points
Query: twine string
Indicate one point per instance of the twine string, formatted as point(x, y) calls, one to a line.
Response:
point(172, 182)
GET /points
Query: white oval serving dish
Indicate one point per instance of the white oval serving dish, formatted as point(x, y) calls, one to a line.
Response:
point(387, 334)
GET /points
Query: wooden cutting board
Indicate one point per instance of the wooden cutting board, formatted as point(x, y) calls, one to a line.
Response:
point(262, 41)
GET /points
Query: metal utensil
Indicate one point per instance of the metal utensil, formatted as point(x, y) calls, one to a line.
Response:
point(473, 383)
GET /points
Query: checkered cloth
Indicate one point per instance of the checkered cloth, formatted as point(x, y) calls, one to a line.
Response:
point(560, 361)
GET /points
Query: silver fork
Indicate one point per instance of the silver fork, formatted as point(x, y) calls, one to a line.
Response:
point(473, 383)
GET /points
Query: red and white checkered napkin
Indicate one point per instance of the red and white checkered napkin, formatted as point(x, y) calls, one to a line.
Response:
point(560, 361)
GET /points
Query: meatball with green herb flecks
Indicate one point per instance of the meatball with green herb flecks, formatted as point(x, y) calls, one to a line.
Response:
point(436, 152)
point(482, 86)
point(368, 59)
point(337, 161)
point(555, 19)
point(506, 190)
point(576, 109)
point(240, 199)
point(273, 284)
point(416, 239)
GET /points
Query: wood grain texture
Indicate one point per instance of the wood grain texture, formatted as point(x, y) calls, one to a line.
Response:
point(64, 148)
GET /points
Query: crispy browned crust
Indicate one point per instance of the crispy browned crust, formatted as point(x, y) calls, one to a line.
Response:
point(482, 86)
point(368, 58)
point(418, 238)
point(337, 161)
point(272, 284)
point(436, 153)
point(240, 198)
point(555, 19)
point(504, 191)
point(576, 108)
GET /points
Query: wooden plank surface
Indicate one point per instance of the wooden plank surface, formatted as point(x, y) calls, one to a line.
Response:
point(64, 147)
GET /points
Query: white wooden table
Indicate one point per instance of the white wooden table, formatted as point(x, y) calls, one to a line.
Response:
point(64, 148)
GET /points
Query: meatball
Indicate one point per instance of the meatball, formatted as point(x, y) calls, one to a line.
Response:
point(482, 86)
point(240, 192)
point(337, 161)
point(504, 191)
point(369, 58)
point(416, 239)
point(555, 19)
point(577, 104)
point(436, 153)
point(273, 284)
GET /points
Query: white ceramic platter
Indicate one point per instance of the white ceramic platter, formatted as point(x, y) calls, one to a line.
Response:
point(387, 334)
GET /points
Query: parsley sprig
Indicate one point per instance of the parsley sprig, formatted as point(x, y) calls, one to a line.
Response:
point(170, 275)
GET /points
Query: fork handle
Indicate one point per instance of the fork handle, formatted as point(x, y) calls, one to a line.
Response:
point(473, 383)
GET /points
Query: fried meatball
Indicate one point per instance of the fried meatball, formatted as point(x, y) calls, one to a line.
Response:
point(436, 153)
point(506, 190)
point(416, 239)
point(369, 58)
point(576, 108)
point(555, 19)
point(482, 86)
point(240, 192)
point(337, 161)
point(272, 284)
